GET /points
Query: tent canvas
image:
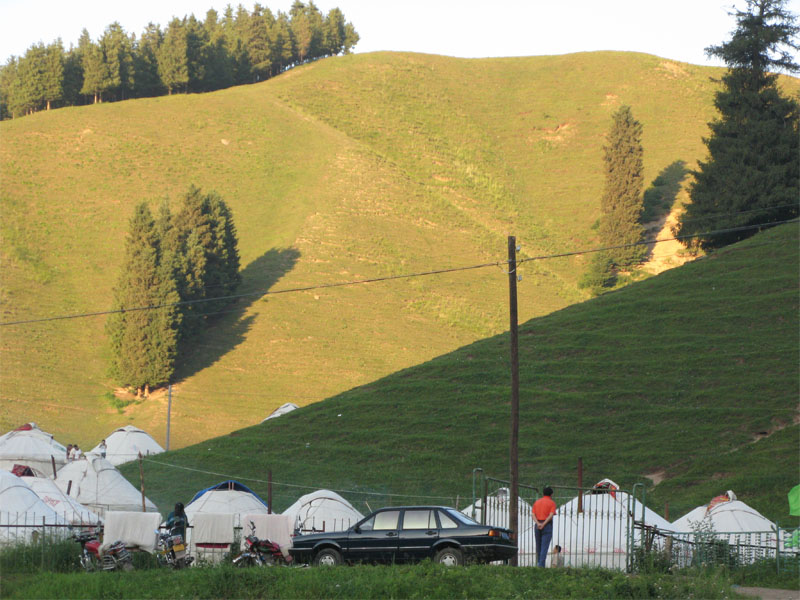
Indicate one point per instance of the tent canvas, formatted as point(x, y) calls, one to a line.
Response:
point(497, 513)
point(19, 505)
point(322, 510)
point(227, 497)
point(98, 485)
point(600, 530)
point(53, 496)
point(33, 448)
point(124, 445)
point(282, 410)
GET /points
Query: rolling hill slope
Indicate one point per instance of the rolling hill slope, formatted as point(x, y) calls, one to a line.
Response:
point(690, 376)
point(348, 168)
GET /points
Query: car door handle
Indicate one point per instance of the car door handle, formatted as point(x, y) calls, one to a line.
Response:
point(391, 534)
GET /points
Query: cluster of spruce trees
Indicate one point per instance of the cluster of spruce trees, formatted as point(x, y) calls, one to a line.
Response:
point(176, 265)
point(188, 56)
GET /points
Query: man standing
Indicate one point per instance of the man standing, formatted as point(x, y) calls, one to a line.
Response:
point(544, 509)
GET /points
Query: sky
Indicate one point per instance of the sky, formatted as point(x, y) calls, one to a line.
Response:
point(675, 29)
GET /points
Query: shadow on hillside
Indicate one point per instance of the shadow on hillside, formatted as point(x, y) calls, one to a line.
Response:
point(660, 198)
point(228, 328)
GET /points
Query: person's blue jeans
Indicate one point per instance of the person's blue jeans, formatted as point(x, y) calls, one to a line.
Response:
point(543, 538)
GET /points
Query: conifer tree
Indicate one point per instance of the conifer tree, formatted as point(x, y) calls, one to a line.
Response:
point(173, 63)
point(144, 342)
point(752, 174)
point(622, 201)
point(53, 76)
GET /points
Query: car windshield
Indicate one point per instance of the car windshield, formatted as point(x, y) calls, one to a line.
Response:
point(461, 517)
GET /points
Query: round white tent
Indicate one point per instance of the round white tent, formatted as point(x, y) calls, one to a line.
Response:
point(53, 496)
point(31, 447)
point(22, 512)
point(282, 410)
point(98, 485)
point(322, 510)
point(126, 443)
point(727, 515)
point(497, 513)
point(598, 529)
point(228, 497)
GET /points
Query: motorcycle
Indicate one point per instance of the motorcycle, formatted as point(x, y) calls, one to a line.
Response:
point(171, 550)
point(115, 557)
point(260, 552)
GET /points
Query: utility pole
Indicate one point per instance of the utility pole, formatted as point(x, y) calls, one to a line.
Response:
point(514, 449)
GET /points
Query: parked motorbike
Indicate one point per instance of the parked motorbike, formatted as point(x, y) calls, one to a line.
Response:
point(260, 553)
point(115, 557)
point(171, 550)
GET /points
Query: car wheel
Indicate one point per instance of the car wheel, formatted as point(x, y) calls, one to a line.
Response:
point(452, 557)
point(328, 557)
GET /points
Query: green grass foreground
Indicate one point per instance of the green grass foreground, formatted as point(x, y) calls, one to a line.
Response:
point(418, 581)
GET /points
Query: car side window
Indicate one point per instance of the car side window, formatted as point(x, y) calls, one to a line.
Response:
point(386, 519)
point(419, 519)
point(367, 525)
point(447, 522)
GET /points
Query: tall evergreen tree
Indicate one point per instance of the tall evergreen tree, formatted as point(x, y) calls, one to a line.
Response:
point(53, 80)
point(622, 201)
point(173, 62)
point(144, 342)
point(752, 174)
point(147, 81)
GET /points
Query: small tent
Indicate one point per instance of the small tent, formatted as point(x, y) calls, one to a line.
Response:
point(22, 512)
point(728, 519)
point(98, 485)
point(282, 410)
point(126, 443)
point(72, 511)
point(597, 528)
point(227, 497)
point(497, 513)
point(31, 447)
point(322, 510)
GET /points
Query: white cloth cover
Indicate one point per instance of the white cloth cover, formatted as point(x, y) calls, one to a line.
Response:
point(124, 445)
point(275, 528)
point(97, 484)
point(212, 528)
point(33, 448)
point(53, 496)
point(320, 510)
point(19, 505)
point(136, 529)
point(281, 410)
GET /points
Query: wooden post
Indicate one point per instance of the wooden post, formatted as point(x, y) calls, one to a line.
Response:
point(141, 479)
point(580, 484)
point(513, 515)
point(269, 492)
point(666, 510)
point(169, 413)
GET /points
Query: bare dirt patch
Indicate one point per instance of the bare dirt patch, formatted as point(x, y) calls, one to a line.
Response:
point(657, 476)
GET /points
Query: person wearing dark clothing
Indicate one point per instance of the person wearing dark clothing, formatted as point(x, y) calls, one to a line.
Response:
point(177, 521)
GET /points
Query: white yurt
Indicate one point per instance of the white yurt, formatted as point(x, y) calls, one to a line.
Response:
point(126, 443)
point(598, 529)
point(282, 410)
point(72, 511)
point(98, 485)
point(228, 497)
point(23, 515)
point(497, 513)
point(749, 533)
point(30, 446)
point(322, 510)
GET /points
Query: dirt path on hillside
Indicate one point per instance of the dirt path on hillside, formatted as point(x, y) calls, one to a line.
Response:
point(664, 255)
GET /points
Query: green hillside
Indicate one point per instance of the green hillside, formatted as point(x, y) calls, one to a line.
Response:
point(690, 376)
point(347, 168)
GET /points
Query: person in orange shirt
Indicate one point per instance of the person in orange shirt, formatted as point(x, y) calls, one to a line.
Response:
point(544, 509)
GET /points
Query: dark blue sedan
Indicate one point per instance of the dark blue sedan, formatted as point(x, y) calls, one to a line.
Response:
point(408, 534)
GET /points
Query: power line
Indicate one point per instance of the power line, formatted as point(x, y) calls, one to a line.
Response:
point(390, 277)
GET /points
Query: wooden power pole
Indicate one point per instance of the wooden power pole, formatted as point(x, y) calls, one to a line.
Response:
point(513, 501)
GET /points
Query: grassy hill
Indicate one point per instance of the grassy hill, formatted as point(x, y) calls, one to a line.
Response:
point(348, 168)
point(690, 376)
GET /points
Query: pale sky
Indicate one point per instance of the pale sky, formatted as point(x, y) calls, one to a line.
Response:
point(676, 29)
